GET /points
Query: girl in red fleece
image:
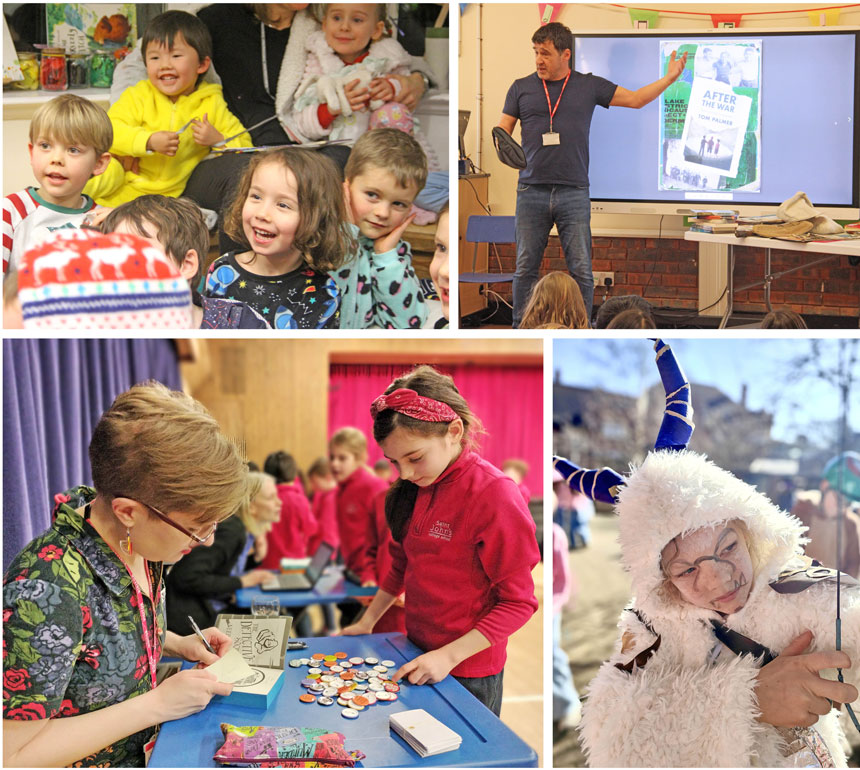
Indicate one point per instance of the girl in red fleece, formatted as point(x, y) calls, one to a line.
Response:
point(464, 542)
point(357, 489)
point(290, 536)
point(323, 504)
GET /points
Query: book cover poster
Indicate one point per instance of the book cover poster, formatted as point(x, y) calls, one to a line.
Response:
point(710, 118)
point(262, 641)
point(82, 27)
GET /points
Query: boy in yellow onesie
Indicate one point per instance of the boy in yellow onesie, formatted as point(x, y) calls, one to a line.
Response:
point(153, 153)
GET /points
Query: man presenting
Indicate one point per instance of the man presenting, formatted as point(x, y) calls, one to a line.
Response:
point(554, 106)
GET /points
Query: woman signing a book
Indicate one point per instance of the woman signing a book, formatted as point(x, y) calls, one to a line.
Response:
point(83, 603)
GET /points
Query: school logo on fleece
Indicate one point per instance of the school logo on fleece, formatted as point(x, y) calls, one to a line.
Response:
point(441, 530)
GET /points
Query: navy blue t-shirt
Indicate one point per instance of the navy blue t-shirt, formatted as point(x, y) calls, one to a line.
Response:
point(565, 163)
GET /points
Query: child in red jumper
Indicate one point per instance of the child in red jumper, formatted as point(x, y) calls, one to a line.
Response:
point(464, 542)
point(356, 492)
point(290, 536)
point(323, 490)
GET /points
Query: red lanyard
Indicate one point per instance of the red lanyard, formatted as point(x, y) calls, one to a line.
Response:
point(557, 101)
point(150, 643)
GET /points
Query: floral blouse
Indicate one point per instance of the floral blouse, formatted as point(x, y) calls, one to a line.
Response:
point(72, 639)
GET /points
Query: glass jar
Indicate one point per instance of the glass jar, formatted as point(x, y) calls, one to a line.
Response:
point(29, 63)
point(101, 69)
point(53, 72)
point(79, 70)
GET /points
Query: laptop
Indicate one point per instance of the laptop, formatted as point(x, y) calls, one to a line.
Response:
point(303, 581)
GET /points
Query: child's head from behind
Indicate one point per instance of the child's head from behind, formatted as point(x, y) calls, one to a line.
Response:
point(69, 142)
point(282, 466)
point(177, 50)
point(349, 28)
point(711, 567)
point(421, 423)
point(289, 207)
point(320, 476)
point(633, 318)
point(783, 319)
point(555, 299)
point(347, 452)
point(175, 225)
point(439, 266)
point(515, 468)
point(385, 172)
point(162, 448)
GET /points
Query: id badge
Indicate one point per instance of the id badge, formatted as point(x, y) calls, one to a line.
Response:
point(550, 138)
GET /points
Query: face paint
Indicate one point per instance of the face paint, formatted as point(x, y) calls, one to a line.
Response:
point(711, 568)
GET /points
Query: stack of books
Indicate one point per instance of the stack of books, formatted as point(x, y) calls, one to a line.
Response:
point(714, 222)
point(424, 733)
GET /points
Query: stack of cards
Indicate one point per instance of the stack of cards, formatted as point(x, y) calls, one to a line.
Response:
point(424, 733)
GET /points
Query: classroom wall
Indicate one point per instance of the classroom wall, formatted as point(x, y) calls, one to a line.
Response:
point(505, 54)
point(273, 393)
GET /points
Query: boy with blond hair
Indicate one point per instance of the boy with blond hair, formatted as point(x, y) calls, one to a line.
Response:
point(176, 226)
point(69, 142)
point(385, 172)
point(150, 119)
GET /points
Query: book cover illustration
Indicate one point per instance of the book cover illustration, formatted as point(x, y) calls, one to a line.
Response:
point(710, 118)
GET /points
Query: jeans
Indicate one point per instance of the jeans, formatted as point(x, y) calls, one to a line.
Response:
point(564, 695)
point(487, 689)
point(539, 206)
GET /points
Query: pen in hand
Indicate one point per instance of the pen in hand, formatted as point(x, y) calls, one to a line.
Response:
point(200, 634)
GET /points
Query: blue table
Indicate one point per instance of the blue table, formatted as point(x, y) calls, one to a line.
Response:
point(487, 741)
point(331, 588)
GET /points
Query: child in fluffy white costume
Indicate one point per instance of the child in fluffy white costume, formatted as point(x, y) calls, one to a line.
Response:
point(673, 695)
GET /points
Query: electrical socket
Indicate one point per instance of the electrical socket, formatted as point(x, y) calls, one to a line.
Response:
point(599, 279)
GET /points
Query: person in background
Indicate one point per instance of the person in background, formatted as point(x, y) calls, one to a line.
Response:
point(439, 267)
point(617, 305)
point(839, 491)
point(204, 583)
point(566, 706)
point(291, 536)
point(556, 302)
point(783, 319)
point(356, 495)
point(383, 470)
point(634, 318)
point(518, 469)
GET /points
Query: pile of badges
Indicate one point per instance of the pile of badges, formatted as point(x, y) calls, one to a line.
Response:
point(335, 678)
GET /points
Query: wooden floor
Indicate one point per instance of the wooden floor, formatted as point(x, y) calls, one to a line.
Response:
point(523, 701)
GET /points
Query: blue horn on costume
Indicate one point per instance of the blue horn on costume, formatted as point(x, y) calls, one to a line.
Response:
point(677, 426)
point(597, 484)
point(675, 432)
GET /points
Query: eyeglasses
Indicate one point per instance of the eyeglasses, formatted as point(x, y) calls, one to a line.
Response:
point(167, 520)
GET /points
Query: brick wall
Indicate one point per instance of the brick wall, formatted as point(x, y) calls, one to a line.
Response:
point(667, 275)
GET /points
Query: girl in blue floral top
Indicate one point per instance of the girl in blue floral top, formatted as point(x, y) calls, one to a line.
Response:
point(83, 604)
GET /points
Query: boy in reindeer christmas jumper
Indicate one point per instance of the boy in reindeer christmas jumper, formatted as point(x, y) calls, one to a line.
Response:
point(720, 589)
point(351, 44)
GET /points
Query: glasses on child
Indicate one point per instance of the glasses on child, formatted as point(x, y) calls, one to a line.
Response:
point(167, 520)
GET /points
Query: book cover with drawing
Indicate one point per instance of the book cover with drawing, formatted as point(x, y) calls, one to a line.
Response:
point(262, 644)
point(710, 118)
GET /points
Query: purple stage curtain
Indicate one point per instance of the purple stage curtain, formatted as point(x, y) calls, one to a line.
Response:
point(507, 399)
point(54, 392)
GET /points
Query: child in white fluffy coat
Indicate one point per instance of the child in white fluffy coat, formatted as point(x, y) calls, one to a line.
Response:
point(352, 39)
point(711, 560)
point(692, 702)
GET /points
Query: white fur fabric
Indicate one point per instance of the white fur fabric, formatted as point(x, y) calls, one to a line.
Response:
point(681, 709)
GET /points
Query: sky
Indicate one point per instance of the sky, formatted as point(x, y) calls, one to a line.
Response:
point(764, 365)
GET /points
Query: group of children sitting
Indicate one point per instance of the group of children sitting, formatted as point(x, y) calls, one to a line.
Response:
point(320, 252)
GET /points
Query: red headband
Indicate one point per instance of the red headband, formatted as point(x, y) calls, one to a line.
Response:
point(408, 402)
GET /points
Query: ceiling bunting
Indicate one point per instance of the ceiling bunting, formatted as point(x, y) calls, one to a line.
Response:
point(726, 19)
point(549, 12)
point(642, 19)
point(826, 17)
